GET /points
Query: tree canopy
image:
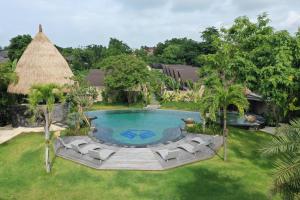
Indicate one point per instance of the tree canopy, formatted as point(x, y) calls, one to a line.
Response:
point(17, 46)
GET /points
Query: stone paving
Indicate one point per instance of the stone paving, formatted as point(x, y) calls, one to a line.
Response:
point(7, 134)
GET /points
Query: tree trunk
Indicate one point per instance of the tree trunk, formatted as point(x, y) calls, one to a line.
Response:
point(204, 124)
point(47, 138)
point(225, 133)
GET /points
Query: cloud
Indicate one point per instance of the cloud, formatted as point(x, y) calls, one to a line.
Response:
point(136, 22)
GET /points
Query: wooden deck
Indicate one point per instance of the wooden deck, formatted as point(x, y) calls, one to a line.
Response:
point(141, 158)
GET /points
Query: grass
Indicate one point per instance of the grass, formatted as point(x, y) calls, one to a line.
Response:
point(190, 106)
point(115, 106)
point(246, 175)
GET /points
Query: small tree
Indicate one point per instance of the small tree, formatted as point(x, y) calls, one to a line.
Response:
point(217, 99)
point(82, 96)
point(285, 146)
point(41, 100)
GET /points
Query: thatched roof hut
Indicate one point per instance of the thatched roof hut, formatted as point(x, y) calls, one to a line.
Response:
point(41, 63)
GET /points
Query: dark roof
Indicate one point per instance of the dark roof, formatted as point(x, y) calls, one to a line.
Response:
point(182, 72)
point(3, 56)
point(95, 77)
point(156, 66)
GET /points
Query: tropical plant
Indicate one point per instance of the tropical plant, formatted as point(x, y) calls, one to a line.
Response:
point(7, 75)
point(217, 99)
point(41, 102)
point(81, 96)
point(285, 146)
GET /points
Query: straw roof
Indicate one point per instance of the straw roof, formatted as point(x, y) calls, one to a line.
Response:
point(41, 63)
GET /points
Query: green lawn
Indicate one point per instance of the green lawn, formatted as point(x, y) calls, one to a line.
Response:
point(246, 175)
point(115, 106)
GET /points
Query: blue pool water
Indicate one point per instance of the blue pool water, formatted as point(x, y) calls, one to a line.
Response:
point(139, 127)
point(146, 127)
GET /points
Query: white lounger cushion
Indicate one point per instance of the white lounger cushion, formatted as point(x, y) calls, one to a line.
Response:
point(168, 154)
point(199, 140)
point(102, 154)
point(69, 145)
point(190, 148)
point(86, 148)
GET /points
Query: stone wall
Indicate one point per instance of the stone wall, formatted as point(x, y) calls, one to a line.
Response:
point(21, 115)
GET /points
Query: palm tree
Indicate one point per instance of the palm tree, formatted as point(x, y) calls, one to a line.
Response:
point(285, 146)
point(41, 100)
point(217, 99)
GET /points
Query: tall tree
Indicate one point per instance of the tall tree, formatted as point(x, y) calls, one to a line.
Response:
point(17, 46)
point(125, 73)
point(41, 100)
point(219, 74)
point(285, 146)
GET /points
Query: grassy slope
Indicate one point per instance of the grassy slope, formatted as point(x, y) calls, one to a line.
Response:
point(245, 176)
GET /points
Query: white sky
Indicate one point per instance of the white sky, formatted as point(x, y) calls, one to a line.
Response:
point(136, 22)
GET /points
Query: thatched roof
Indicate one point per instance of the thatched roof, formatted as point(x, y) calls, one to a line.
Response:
point(41, 63)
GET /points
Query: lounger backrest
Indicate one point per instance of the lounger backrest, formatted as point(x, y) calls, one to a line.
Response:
point(61, 141)
point(94, 154)
point(75, 147)
point(172, 154)
point(198, 147)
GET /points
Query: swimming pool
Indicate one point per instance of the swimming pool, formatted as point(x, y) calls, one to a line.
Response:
point(140, 128)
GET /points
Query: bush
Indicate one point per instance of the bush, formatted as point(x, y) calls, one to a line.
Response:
point(211, 129)
point(76, 132)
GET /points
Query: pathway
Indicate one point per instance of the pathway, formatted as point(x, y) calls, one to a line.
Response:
point(7, 134)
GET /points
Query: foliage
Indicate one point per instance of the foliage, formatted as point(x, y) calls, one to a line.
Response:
point(81, 97)
point(117, 47)
point(210, 129)
point(178, 51)
point(127, 74)
point(217, 98)
point(7, 75)
point(264, 60)
point(17, 46)
point(41, 102)
point(285, 146)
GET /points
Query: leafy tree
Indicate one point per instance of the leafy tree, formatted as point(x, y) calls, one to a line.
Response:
point(218, 98)
point(125, 73)
point(285, 146)
point(82, 59)
point(220, 77)
point(208, 36)
point(178, 51)
point(117, 47)
point(17, 46)
point(41, 101)
point(263, 60)
point(81, 96)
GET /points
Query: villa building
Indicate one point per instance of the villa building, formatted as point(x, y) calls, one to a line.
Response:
point(95, 78)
